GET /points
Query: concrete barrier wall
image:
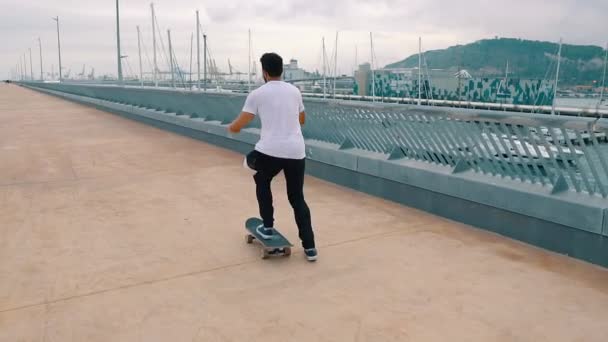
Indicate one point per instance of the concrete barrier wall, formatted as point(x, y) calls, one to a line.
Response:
point(568, 222)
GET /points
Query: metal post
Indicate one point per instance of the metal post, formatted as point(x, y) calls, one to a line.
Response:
point(24, 68)
point(604, 77)
point(154, 45)
point(141, 72)
point(324, 69)
point(191, 44)
point(31, 65)
point(41, 72)
point(198, 52)
point(371, 43)
point(171, 58)
point(59, 48)
point(356, 59)
point(118, 43)
point(205, 62)
point(419, 71)
point(559, 60)
point(249, 63)
point(335, 64)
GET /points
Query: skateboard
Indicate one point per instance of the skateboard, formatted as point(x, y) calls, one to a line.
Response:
point(277, 246)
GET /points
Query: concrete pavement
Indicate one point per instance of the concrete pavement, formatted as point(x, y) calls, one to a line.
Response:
point(111, 230)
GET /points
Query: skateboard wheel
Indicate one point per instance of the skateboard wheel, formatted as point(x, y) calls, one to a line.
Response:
point(287, 251)
point(249, 238)
point(265, 253)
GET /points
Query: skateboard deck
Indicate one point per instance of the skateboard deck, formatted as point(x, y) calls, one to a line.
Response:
point(277, 246)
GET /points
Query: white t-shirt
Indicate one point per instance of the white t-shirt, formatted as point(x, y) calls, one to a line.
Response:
point(278, 104)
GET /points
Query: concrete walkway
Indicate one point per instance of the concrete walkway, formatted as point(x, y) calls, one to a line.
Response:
point(111, 230)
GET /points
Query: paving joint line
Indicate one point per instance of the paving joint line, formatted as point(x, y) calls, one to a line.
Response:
point(190, 274)
point(124, 287)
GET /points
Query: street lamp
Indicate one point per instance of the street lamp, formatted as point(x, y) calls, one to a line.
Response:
point(40, 47)
point(58, 47)
point(118, 43)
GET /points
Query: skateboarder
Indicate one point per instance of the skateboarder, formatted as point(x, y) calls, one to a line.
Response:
point(280, 148)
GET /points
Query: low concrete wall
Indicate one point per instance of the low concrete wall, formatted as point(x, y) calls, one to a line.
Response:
point(568, 223)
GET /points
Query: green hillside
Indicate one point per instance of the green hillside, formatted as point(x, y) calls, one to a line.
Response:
point(581, 64)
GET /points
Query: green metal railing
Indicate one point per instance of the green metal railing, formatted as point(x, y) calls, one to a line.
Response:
point(565, 153)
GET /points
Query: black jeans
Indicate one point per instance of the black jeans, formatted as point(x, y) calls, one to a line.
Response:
point(267, 168)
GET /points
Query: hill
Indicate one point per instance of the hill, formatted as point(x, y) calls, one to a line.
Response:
point(581, 64)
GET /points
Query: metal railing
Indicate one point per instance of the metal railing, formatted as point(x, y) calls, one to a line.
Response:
point(565, 153)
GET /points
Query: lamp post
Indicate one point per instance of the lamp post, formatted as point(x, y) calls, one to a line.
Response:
point(119, 59)
point(59, 47)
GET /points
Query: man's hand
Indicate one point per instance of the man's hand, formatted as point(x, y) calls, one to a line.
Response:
point(232, 128)
point(241, 121)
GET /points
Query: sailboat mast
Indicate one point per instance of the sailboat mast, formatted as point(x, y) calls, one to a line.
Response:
point(324, 68)
point(335, 64)
point(119, 55)
point(154, 45)
point(249, 64)
point(141, 72)
point(356, 58)
point(191, 44)
point(204, 61)
point(40, 48)
point(31, 66)
point(559, 60)
point(371, 44)
point(604, 77)
point(419, 71)
point(25, 67)
point(198, 52)
point(171, 59)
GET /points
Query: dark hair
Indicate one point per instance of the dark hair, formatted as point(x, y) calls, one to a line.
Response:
point(272, 63)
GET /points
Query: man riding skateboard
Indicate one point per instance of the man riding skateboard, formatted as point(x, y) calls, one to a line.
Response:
point(280, 148)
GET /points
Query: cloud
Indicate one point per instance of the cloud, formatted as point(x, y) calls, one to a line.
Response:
point(293, 28)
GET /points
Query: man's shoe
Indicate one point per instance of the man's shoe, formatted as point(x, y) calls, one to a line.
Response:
point(264, 232)
point(311, 254)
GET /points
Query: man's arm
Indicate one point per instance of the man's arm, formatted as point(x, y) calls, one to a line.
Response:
point(250, 109)
point(241, 121)
point(301, 109)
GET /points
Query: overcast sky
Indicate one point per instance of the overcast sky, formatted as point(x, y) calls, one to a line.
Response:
point(292, 28)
